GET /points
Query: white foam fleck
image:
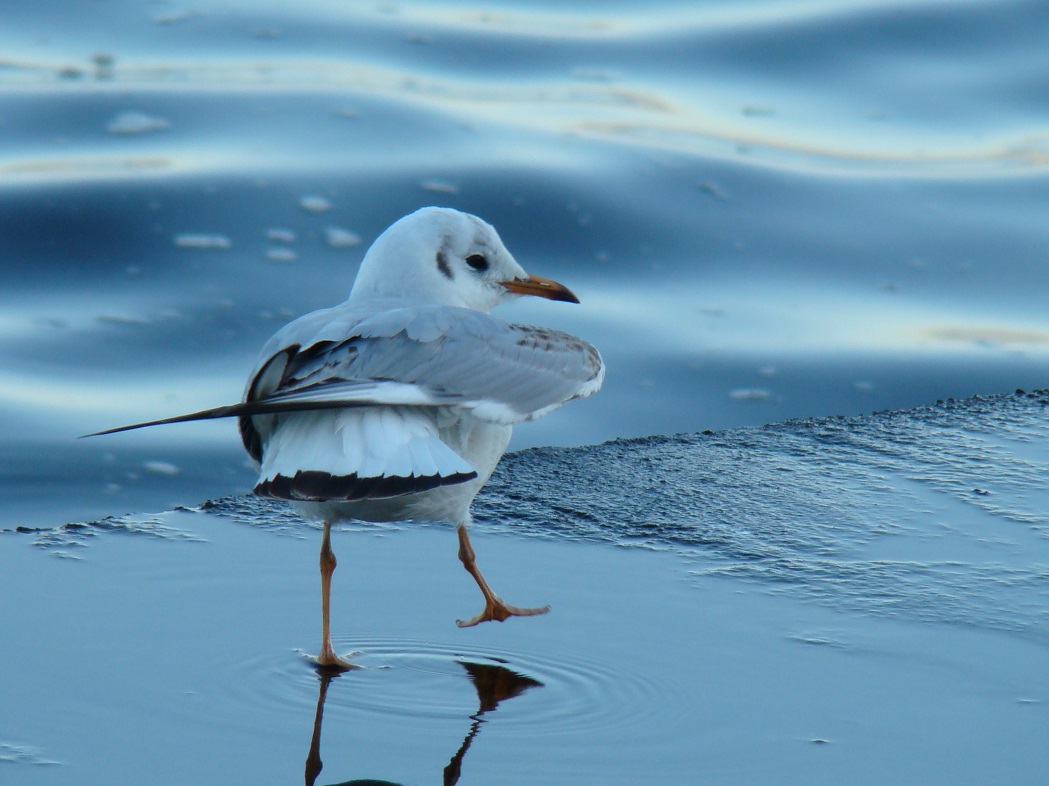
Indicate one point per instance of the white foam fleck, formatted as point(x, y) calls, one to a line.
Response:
point(281, 255)
point(338, 237)
point(280, 235)
point(749, 394)
point(201, 240)
point(160, 468)
point(439, 186)
point(136, 123)
point(312, 203)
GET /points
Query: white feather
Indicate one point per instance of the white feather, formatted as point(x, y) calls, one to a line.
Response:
point(368, 442)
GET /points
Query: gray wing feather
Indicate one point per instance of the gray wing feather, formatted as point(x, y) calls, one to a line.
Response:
point(433, 356)
point(424, 356)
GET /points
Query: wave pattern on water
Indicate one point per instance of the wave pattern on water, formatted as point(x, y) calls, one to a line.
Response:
point(64, 541)
point(935, 514)
point(583, 695)
point(715, 180)
point(818, 87)
point(14, 753)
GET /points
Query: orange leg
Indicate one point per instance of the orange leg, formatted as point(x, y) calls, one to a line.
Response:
point(494, 607)
point(328, 658)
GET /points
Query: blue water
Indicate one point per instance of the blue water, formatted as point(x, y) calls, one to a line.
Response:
point(768, 209)
point(819, 601)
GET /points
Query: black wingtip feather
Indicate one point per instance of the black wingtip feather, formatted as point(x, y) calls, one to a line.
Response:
point(243, 409)
point(207, 414)
point(317, 486)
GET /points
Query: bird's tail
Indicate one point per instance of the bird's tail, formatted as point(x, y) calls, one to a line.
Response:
point(355, 454)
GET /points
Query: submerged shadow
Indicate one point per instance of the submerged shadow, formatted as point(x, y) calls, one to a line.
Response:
point(494, 684)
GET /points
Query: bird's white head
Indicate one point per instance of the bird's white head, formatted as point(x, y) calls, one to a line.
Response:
point(441, 256)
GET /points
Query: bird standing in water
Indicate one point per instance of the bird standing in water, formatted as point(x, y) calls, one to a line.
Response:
point(398, 403)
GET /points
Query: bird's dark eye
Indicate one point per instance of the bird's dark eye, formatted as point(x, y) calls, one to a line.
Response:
point(477, 262)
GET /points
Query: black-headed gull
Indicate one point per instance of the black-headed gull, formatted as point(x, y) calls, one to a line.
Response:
point(398, 403)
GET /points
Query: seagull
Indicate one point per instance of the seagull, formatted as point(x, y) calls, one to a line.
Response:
point(397, 404)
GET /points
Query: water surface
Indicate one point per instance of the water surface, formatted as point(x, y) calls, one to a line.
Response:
point(769, 210)
point(849, 600)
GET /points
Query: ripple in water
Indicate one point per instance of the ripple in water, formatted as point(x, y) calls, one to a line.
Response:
point(424, 680)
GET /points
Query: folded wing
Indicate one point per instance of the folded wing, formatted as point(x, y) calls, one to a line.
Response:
point(387, 380)
point(434, 356)
point(388, 373)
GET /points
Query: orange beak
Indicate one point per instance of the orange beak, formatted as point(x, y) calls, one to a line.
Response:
point(540, 287)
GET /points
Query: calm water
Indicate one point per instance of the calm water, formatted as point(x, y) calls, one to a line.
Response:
point(769, 210)
point(832, 601)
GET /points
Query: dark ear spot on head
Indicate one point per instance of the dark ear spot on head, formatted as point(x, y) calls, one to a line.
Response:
point(442, 264)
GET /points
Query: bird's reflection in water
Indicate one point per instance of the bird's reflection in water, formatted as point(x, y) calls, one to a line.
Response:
point(494, 684)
